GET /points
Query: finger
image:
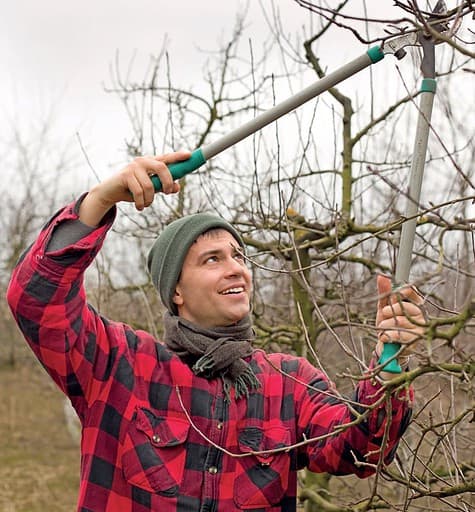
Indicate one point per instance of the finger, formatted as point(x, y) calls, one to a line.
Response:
point(139, 175)
point(142, 174)
point(403, 322)
point(407, 309)
point(384, 286)
point(401, 336)
point(410, 293)
point(177, 156)
point(150, 166)
point(148, 191)
point(137, 191)
point(166, 179)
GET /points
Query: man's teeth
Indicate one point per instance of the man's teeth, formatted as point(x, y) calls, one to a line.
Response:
point(233, 290)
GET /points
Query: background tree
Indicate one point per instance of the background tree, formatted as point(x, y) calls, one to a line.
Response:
point(323, 220)
point(37, 179)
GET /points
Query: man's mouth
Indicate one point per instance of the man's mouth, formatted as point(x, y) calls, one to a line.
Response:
point(232, 291)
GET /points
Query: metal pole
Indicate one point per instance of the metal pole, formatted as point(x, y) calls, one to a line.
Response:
point(403, 263)
point(406, 245)
point(287, 106)
point(201, 155)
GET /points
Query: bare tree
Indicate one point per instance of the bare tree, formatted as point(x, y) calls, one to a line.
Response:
point(321, 222)
point(319, 197)
point(35, 182)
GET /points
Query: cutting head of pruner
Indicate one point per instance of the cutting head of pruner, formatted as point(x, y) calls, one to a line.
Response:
point(434, 26)
point(429, 36)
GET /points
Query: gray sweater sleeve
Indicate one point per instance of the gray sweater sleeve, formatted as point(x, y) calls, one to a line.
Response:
point(67, 233)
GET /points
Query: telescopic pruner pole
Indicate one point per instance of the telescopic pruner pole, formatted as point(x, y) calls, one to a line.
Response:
point(403, 262)
point(201, 155)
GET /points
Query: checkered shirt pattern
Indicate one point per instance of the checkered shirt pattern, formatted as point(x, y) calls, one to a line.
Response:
point(156, 436)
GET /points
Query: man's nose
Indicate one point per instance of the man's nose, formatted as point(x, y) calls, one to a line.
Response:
point(233, 266)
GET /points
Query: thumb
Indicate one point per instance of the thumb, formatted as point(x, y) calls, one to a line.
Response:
point(384, 290)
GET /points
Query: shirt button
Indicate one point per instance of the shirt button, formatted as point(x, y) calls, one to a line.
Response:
point(219, 426)
point(213, 470)
point(156, 438)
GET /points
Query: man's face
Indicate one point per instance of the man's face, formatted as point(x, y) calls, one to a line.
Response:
point(215, 284)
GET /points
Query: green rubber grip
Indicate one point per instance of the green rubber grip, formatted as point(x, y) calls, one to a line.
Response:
point(429, 85)
point(180, 169)
point(389, 351)
point(375, 54)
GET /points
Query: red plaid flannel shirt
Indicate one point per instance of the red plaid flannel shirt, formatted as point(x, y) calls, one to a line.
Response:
point(156, 436)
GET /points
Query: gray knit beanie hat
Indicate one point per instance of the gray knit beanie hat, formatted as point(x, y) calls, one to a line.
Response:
point(168, 253)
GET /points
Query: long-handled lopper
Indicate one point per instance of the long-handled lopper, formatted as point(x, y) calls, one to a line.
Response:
point(427, 92)
point(201, 155)
point(375, 54)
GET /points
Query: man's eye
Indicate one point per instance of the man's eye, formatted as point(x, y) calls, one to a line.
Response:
point(211, 259)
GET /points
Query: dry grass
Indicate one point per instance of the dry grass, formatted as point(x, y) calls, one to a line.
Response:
point(39, 463)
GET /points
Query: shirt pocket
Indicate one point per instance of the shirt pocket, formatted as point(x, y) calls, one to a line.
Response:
point(153, 456)
point(262, 479)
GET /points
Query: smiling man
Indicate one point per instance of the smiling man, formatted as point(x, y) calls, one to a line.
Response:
point(215, 283)
point(197, 264)
point(198, 421)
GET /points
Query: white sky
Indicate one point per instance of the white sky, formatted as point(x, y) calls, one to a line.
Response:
point(58, 53)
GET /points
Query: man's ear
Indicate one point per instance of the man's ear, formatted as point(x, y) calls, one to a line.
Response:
point(177, 297)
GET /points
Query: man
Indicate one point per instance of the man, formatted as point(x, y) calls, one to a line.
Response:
point(199, 421)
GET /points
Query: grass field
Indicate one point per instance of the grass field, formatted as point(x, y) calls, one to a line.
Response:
point(39, 462)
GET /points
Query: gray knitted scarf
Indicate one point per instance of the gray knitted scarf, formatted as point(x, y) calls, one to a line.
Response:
point(215, 352)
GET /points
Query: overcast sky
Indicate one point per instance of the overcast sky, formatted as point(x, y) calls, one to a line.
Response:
point(57, 52)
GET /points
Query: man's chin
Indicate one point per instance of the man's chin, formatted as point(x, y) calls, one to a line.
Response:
point(236, 318)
